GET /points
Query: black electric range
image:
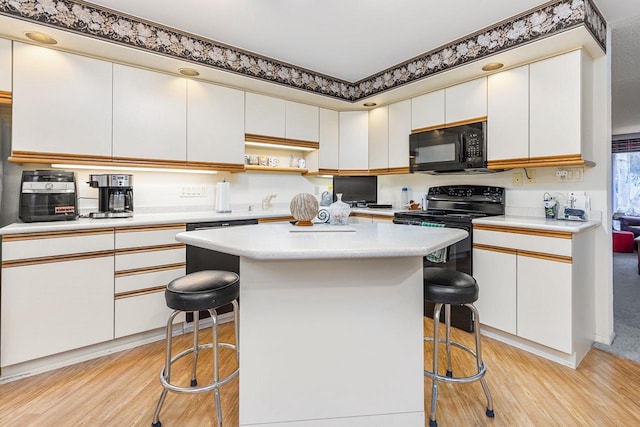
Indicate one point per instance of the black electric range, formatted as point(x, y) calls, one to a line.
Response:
point(455, 206)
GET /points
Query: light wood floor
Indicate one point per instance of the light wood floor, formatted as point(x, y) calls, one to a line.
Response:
point(122, 390)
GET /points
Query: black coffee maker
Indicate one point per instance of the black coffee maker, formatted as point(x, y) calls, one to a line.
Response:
point(115, 195)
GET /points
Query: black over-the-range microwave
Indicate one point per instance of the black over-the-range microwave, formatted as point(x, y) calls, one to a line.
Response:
point(455, 149)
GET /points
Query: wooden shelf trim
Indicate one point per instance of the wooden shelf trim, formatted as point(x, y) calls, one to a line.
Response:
point(55, 234)
point(115, 162)
point(5, 97)
point(522, 252)
point(275, 169)
point(527, 231)
point(137, 228)
point(492, 248)
point(140, 292)
point(365, 172)
point(145, 270)
point(275, 219)
point(56, 258)
point(275, 140)
point(328, 171)
point(452, 124)
point(540, 162)
point(143, 249)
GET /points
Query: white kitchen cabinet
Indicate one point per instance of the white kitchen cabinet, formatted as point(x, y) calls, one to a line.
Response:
point(66, 295)
point(146, 259)
point(215, 124)
point(264, 115)
point(329, 150)
point(427, 110)
point(354, 141)
point(149, 115)
point(543, 291)
point(379, 139)
point(5, 65)
point(559, 94)
point(399, 130)
point(508, 115)
point(466, 101)
point(498, 290)
point(301, 121)
point(62, 103)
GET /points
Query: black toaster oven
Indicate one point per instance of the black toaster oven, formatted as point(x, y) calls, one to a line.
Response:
point(48, 195)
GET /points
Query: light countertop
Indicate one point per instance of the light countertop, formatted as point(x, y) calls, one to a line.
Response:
point(537, 223)
point(277, 242)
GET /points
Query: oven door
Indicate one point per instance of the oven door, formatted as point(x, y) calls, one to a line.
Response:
point(458, 258)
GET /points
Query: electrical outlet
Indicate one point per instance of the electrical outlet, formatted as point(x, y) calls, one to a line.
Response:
point(531, 176)
point(517, 178)
point(562, 175)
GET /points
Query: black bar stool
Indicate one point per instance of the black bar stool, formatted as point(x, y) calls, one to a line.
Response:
point(202, 290)
point(449, 287)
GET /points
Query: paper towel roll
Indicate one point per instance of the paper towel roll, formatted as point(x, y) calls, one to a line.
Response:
point(222, 197)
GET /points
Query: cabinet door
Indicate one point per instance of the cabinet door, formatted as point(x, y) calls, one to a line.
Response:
point(5, 65)
point(329, 139)
point(149, 114)
point(508, 114)
point(379, 138)
point(215, 124)
point(140, 313)
point(61, 102)
point(264, 115)
point(399, 130)
point(54, 307)
point(427, 110)
point(301, 121)
point(498, 288)
point(544, 302)
point(555, 102)
point(354, 140)
point(466, 101)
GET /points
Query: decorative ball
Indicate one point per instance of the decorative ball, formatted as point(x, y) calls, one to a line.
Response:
point(304, 207)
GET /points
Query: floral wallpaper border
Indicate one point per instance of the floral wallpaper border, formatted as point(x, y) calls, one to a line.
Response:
point(105, 24)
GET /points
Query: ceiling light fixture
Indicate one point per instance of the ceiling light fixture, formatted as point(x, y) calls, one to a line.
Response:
point(369, 104)
point(40, 38)
point(492, 66)
point(189, 72)
point(132, 169)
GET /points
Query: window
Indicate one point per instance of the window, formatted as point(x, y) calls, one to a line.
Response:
point(626, 176)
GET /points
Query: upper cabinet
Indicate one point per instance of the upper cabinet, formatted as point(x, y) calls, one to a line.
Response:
point(399, 130)
point(466, 102)
point(301, 122)
point(539, 114)
point(508, 111)
point(61, 105)
point(427, 111)
point(215, 125)
point(149, 115)
point(354, 142)
point(329, 141)
point(265, 115)
point(379, 139)
point(5, 69)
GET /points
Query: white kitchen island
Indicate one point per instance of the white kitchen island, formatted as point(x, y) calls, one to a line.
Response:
point(331, 322)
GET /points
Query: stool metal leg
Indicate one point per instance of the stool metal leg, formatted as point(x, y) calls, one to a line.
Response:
point(434, 385)
point(196, 333)
point(166, 372)
point(447, 322)
point(480, 360)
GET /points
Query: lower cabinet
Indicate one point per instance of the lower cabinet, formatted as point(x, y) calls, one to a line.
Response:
point(533, 285)
point(363, 218)
point(55, 302)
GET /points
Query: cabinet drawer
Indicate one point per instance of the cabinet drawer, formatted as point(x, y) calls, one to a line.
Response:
point(136, 237)
point(149, 258)
point(542, 242)
point(43, 245)
point(146, 280)
point(141, 313)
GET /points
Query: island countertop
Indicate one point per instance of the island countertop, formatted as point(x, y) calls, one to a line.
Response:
point(321, 241)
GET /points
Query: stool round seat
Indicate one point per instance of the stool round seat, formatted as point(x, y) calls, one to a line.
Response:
point(202, 290)
point(449, 286)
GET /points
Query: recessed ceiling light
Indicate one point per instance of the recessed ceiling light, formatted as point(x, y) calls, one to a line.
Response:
point(492, 66)
point(40, 38)
point(369, 104)
point(190, 72)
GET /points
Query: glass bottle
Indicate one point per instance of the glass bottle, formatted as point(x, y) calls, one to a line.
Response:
point(339, 211)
